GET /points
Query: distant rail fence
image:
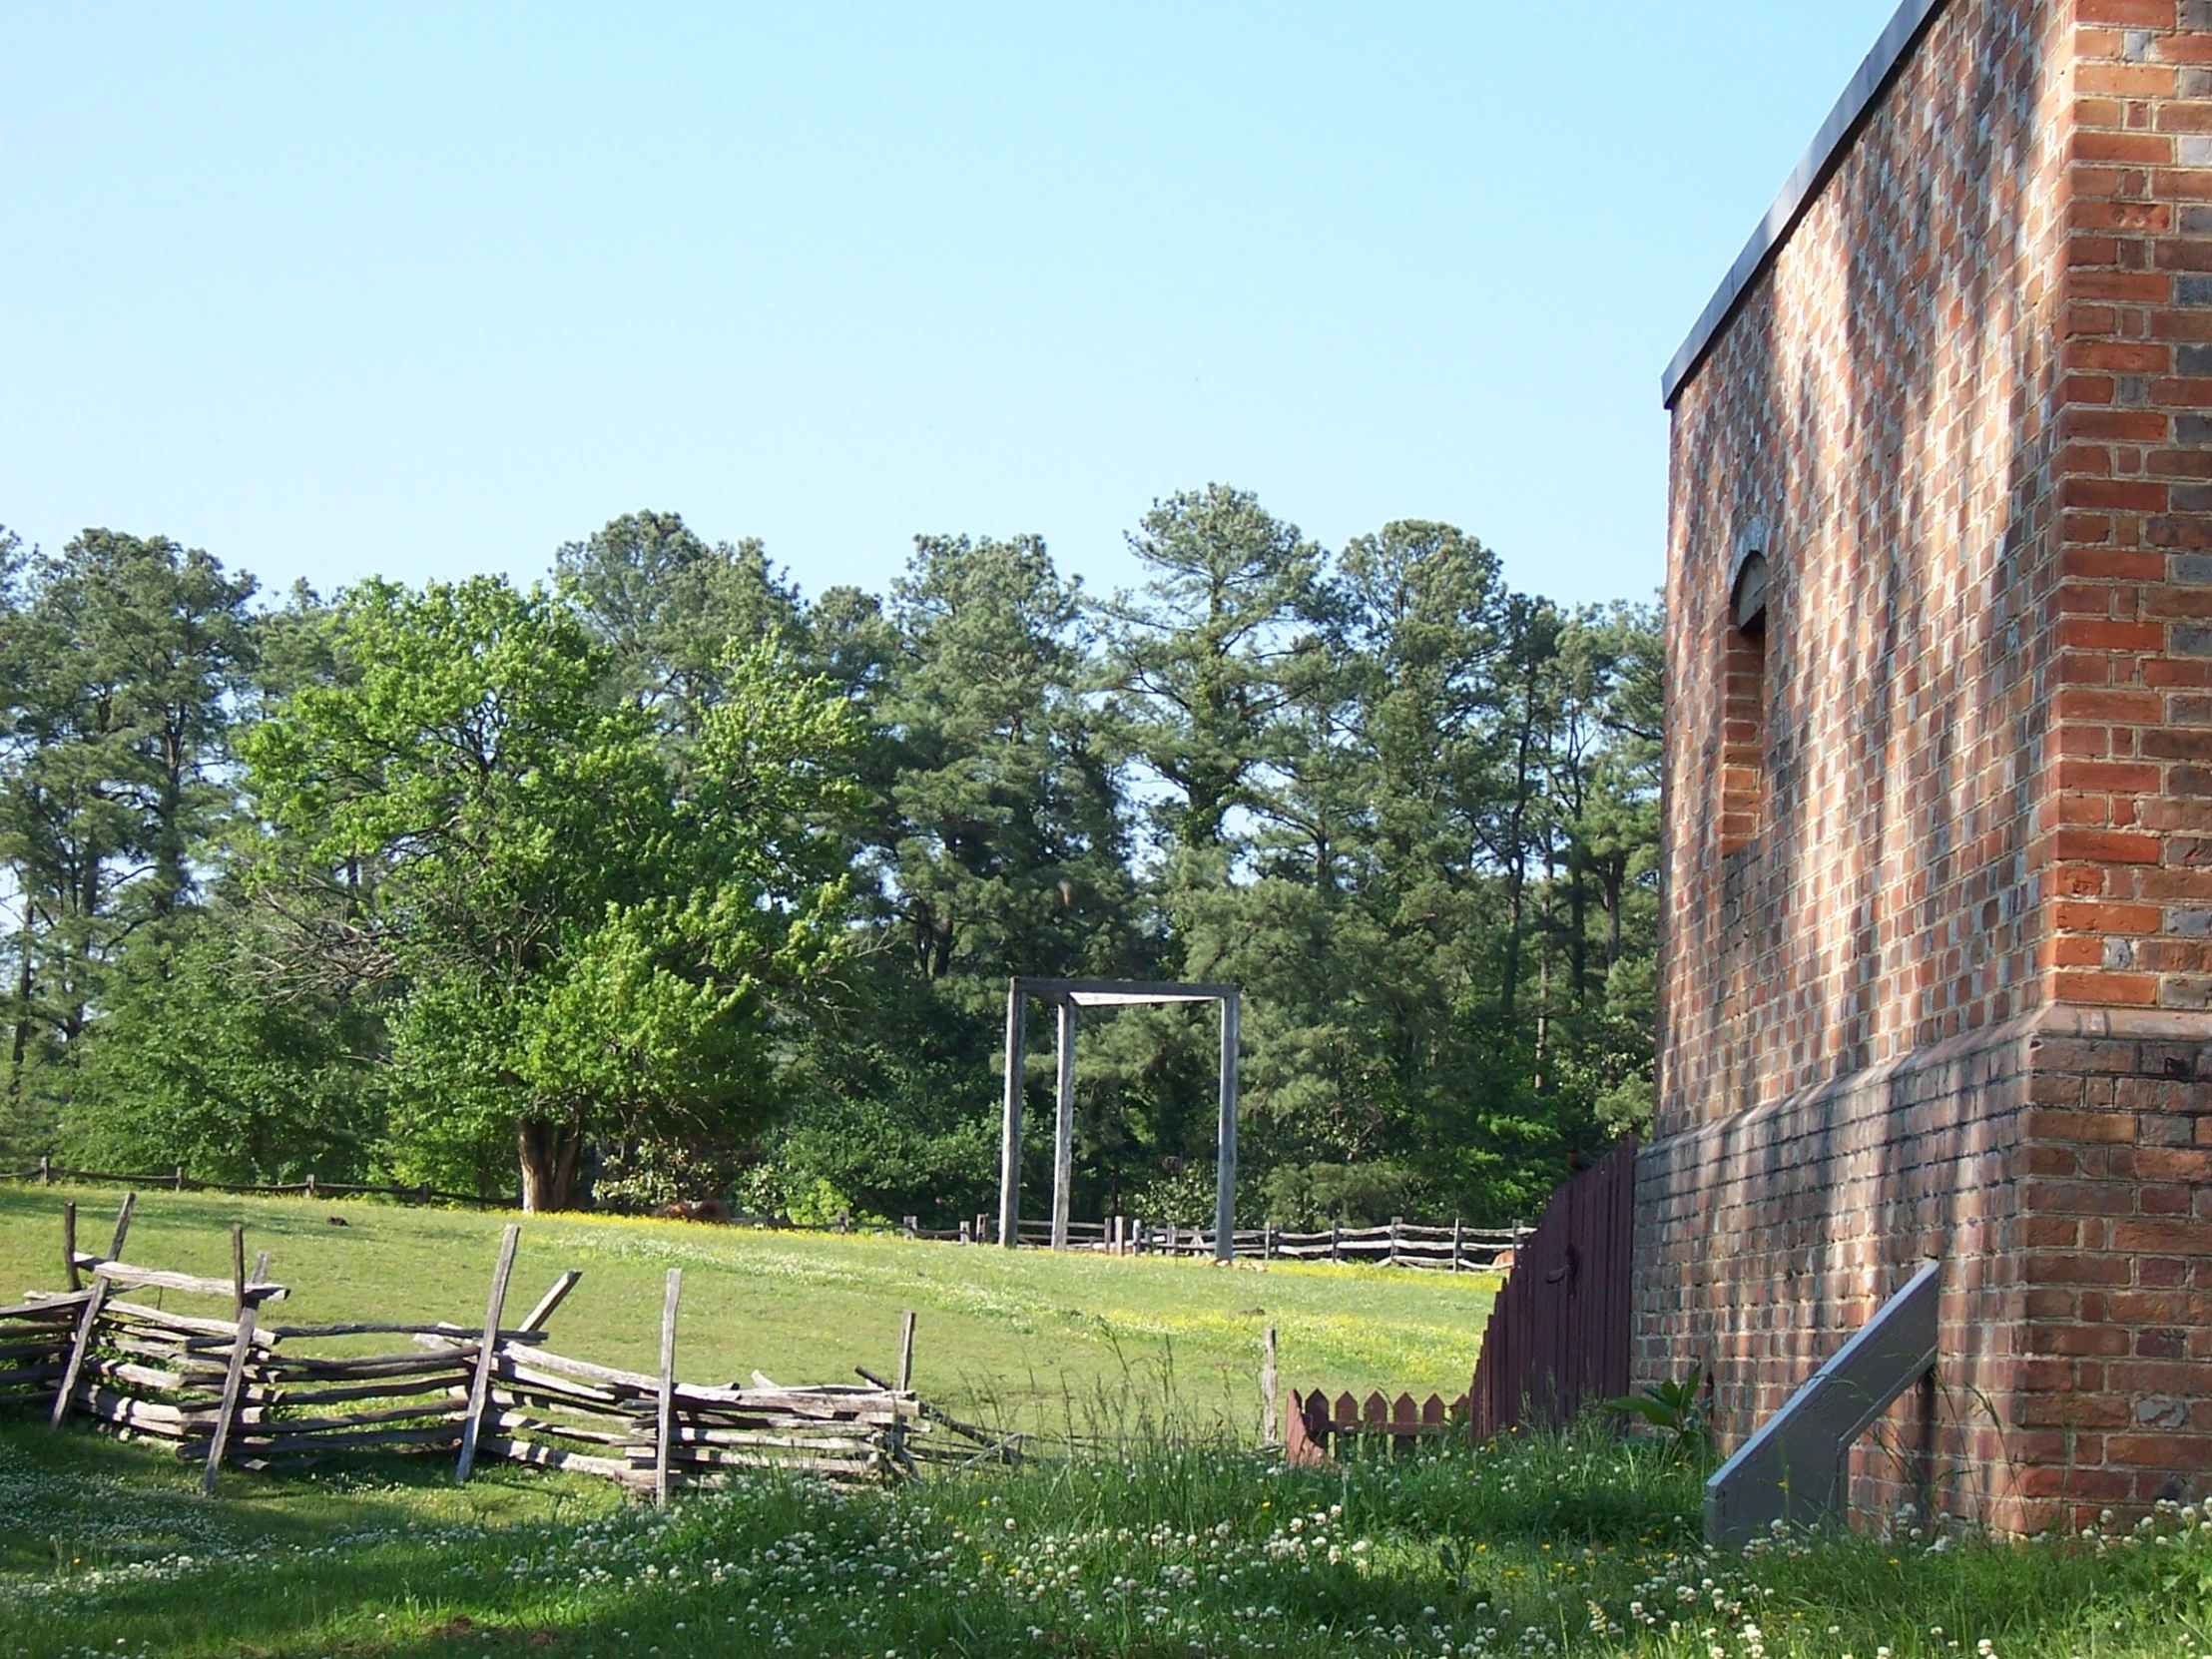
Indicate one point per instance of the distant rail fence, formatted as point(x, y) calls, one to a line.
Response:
point(1399, 1242)
point(178, 1180)
point(1455, 1249)
point(261, 1395)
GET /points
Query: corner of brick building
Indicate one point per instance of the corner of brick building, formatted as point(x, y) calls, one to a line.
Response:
point(1953, 995)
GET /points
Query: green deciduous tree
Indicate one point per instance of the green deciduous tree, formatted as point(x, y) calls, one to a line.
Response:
point(577, 942)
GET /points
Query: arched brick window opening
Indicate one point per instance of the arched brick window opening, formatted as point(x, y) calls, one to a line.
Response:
point(1744, 707)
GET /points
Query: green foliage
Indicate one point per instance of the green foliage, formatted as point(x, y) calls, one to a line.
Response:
point(119, 658)
point(194, 1065)
point(579, 939)
point(665, 876)
point(1677, 1410)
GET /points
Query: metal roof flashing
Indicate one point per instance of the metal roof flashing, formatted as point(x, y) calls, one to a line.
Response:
point(1875, 74)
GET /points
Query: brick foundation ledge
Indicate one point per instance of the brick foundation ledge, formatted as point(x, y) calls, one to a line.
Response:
point(2060, 1163)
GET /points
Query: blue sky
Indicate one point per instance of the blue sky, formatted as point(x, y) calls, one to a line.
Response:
point(421, 290)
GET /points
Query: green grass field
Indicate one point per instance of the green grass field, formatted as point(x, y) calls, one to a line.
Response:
point(1025, 1338)
point(1543, 1547)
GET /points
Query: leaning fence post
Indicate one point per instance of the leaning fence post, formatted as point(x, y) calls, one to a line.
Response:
point(1266, 1388)
point(241, 1345)
point(122, 1227)
point(487, 1352)
point(79, 1348)
point(664, 1433)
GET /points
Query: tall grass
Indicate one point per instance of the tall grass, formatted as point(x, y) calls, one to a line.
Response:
point(1547, 1546)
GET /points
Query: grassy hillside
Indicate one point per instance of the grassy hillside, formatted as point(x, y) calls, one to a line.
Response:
point(1048, 1342)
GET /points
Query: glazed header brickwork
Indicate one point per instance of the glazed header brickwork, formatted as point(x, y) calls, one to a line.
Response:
point(1954, 996)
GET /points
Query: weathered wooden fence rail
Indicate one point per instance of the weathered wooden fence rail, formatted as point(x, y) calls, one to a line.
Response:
point(264, 1396)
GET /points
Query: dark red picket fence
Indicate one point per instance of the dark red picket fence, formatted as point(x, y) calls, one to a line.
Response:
point(1314, 1425)
point(1558, 1334)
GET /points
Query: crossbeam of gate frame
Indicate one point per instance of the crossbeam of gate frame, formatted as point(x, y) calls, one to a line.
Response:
point(1067, 995)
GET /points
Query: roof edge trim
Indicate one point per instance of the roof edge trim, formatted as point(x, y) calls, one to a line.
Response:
point(1876, 72)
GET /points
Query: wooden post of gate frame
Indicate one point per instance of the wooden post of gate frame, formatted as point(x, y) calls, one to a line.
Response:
point(1224, 1168)
point(1009, 1151)
point(1063, 1124)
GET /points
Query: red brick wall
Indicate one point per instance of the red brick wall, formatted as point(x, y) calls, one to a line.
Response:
point(1880, 403)
point(1955, 995)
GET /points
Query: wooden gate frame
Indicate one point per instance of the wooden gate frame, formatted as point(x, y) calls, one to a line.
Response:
point(1068, 995)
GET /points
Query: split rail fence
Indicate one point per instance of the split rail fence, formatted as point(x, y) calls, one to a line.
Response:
point(1403, 1244)
point(264, 1396)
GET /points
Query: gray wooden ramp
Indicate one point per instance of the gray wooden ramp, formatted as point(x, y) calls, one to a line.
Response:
point(1794, 1469)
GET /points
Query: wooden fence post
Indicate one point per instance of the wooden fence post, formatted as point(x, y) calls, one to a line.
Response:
point(1266, 1240)
point(83, 1343)
point(906, 1350)
point(487, 1352)
point(79, 1348)
point(69, 1246)
point(664, 1436)
point(45, 1171)
point(1336, 1241)
point(311, 1185)
point(1396, 1222)
point(1458, 1248)
point(180, 1178)
point(1266, 1388)
point(911, 1226)
point(967, 1235)
point(241, 1345)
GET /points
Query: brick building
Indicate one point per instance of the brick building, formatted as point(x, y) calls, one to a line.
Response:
point(1936, 972)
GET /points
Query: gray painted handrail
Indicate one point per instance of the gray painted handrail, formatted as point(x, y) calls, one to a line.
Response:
point(1793, 1468)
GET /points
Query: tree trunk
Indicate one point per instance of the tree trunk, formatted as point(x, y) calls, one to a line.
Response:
point(547, 1153)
